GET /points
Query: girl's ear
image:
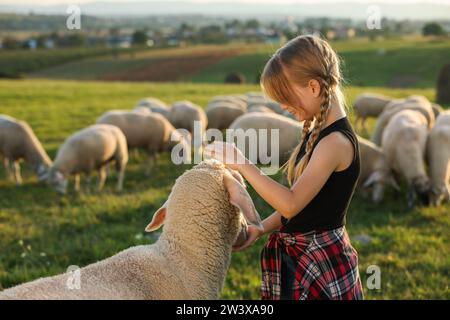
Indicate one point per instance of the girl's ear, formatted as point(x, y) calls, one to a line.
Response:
point(314, 87)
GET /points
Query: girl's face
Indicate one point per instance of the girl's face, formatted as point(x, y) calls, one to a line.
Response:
point(306, 102)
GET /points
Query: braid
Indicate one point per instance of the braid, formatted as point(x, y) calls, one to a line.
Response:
point(324, 110)
point(292, 159)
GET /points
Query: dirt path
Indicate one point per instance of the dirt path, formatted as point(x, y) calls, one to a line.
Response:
point(171, 68)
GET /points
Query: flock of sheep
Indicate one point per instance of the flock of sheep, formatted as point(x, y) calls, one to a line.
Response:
point(192, 255)
point(411, 140)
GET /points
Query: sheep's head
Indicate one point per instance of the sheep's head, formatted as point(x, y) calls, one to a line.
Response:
point(42, 171)
point(57, 180)
point(378, 180)
point(420, 188)
point(209, 199)
point(438, 194)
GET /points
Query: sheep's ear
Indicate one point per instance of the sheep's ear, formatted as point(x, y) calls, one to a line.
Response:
point(158, 219)
point(240, 198)
point(374, 177)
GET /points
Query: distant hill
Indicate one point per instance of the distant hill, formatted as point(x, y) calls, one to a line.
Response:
point(354, 10)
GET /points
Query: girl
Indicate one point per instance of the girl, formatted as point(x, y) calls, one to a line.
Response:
point(309, 255)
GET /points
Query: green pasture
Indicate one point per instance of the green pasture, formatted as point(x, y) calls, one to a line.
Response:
point(42, 233)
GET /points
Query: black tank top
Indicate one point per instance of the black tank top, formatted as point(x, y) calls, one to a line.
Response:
point(327, 210)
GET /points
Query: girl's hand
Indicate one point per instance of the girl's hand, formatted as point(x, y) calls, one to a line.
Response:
point(227, 153)
point(253, 234)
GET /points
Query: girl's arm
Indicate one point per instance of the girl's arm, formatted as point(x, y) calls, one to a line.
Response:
point(271, 223)
point(255, 232)
point(325, 158)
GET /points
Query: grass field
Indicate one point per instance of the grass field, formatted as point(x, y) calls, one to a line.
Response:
point(401, 63)
point(42, 233)
point(406, 62)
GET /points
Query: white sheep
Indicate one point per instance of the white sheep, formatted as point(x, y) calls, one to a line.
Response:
point(221, 114)
point(438, 159)
point(205, 214)
point(150, 132)
point(375, 171)
point(256, 98)
point(184, 114)
point(89, 149)
point(368, 105)
point(259, 108)
point(403, 143)
point(154, 105)
point(141, 110)
point(437, 109)
point(417, 103)
point(237, 101)
point(289, 133)
point(17, 142)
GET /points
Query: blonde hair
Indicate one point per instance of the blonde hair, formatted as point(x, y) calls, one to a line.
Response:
point(301, 59)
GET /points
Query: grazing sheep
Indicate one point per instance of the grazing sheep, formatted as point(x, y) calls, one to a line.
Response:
point(375, 171)
point(404, 142)
point(259, 108)
point(90, 149)
point(222, 114)
point(189, 260)
point(417, 103)
point(438, 158)
point(368, 105)
point(142, 110)
point(437, 109)
point(18, 141)
point(259, 99)
point(289, 132)
point(154, 105)
point(150, 132)
point(184, 114)
point(233, 99)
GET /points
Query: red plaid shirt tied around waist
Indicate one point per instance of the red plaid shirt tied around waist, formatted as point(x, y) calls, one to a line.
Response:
point(326, 266)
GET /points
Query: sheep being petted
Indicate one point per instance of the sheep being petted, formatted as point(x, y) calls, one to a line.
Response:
point(206, 213)
point(403, 143)
point(90, 149)
point(375, 171)
point(368, 105)
point(17, 142)
point(150, 132)
point(438, 159)
point(416, 103)
point(289, 134)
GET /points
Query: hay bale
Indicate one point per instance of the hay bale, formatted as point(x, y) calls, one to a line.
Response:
point(234, 77)
point(443, 85)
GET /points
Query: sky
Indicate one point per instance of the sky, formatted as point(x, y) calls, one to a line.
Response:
point(52, 2)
